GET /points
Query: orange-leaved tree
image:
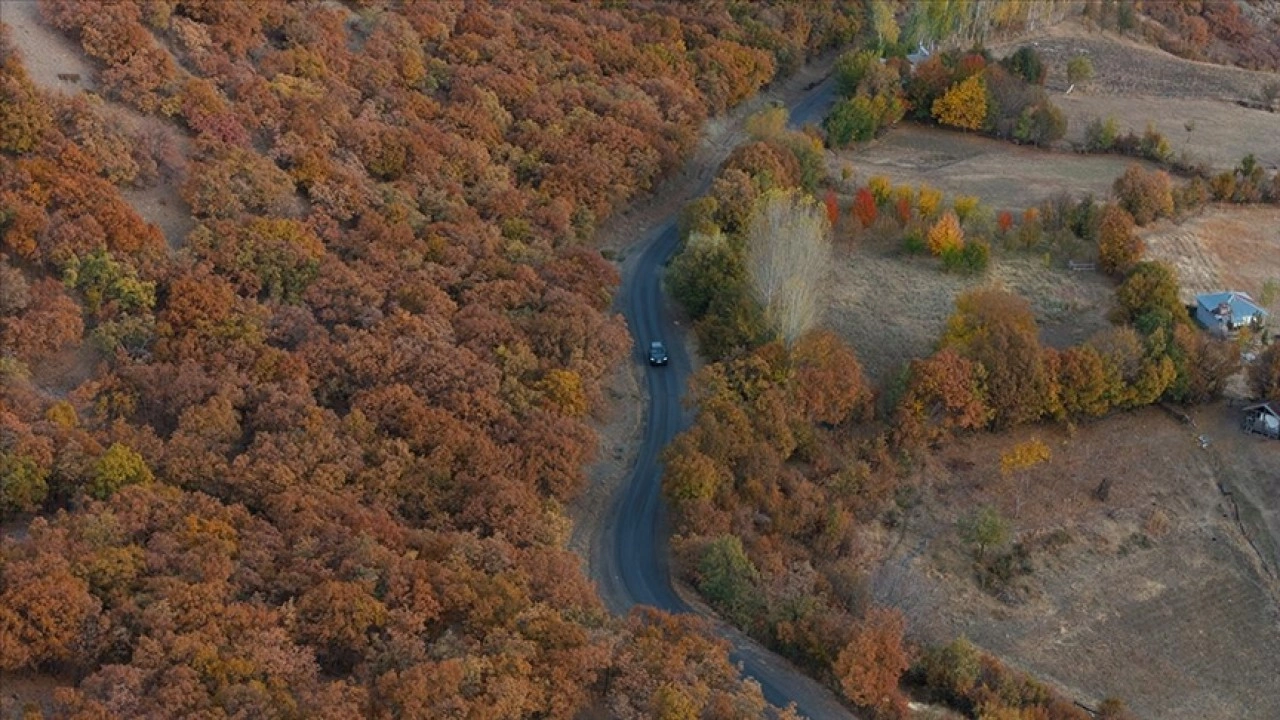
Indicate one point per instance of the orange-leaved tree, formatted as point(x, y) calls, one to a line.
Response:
point(1118, 247)
point(946, 234)
point(869, 666)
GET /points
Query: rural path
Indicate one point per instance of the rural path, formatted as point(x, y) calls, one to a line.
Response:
point(630, 560)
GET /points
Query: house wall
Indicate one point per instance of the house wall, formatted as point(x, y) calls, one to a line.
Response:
point(1205, 317)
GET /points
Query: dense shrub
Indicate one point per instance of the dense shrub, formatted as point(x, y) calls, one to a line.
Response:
point(1079, 69)
point(971, 259)
point(1264, 374)
point(1147, 195)
point(1026, 63)
point(1119, 248)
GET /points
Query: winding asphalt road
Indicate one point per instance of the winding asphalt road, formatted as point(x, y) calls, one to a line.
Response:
point(635, 569)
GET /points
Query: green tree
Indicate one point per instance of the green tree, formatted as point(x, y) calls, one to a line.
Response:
point(1100, 135)
point(707, 265)
point(884, 24)
point(1040, 123)
point(1150, 286)
point(1027, 64)
point(102, 279)
point(120, 465)
point(985, 528)
point(728, 579)
point(851, 67)
point(953, 668)
point(851, 120)
point(1079, 69)
point(859, 118)
point(22, 483)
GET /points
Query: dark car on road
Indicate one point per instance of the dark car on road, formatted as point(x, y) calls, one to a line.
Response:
point(657, 353)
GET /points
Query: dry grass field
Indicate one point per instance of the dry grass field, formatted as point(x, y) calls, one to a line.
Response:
point(892, 307)
point(1139, 84)
point(1004, 175)
point(1157, 594)
point(1152, 595)
point(1223, 248)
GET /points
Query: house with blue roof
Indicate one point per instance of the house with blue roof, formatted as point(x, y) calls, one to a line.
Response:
point(1227, 312)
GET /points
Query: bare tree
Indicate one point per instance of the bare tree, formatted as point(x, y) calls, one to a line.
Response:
point(788, 253)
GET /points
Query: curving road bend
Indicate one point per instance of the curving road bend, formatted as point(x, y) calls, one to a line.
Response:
point(633, 562)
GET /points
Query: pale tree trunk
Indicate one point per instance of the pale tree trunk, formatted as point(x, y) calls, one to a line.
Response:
point(788, 254)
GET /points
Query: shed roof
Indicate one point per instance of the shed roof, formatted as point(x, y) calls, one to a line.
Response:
point(1263, 408)
point(1242, 306)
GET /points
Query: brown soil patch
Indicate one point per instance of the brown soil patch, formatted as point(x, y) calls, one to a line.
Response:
point(20, 691)
point(1152, 595)
point(66, 370)
point(892, 307)
point(1226, 247)
point(46, 53)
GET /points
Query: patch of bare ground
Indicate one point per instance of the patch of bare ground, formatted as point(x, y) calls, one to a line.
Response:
point(1226, 247)
point(1002, 174)
point(65, 371)
point(1152, 594)
point(51, 59)
point(46, 53)
point(1138, 84)
point(24, 691)
point(892, 307)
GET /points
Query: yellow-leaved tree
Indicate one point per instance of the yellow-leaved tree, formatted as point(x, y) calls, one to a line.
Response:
point(946, 234)
point(964, 105)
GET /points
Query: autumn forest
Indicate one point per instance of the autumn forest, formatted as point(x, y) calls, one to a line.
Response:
point(311, 459)
point(312, 451)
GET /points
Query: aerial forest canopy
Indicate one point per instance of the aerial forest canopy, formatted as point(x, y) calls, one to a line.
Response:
point(311, 458)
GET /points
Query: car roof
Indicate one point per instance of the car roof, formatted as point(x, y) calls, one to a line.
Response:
point(655, 344)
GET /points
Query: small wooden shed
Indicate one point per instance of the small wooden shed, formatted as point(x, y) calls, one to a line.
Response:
point(1262, 419)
